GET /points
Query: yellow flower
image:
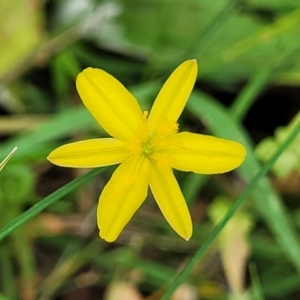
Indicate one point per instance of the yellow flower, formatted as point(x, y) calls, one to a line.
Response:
point(148, 147)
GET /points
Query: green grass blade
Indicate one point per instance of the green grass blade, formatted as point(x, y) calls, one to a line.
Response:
point(247, 96)
point(47, 201)
point(8, 283)
point(241, 200)
point(257, 292)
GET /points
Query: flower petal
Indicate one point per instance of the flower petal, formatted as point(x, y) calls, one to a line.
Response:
point(170, 200)
point(203, 154)
point(110, 103)
point(174, 94)
point(122, 196)
point(89, 153)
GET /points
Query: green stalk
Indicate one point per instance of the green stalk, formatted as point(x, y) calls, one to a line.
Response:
point(8, 282)
point(248, 95)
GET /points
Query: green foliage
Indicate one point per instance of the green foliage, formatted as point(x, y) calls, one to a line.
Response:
point(244, 48)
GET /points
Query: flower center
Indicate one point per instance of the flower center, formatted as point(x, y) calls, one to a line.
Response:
point(147, 150)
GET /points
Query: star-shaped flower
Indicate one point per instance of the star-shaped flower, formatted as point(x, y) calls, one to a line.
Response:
point(147, 147)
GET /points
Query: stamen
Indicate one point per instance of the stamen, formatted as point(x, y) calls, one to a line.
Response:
point(147, 149)
point(145, 114)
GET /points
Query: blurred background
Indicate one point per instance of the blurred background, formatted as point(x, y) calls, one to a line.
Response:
point(248, 89)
